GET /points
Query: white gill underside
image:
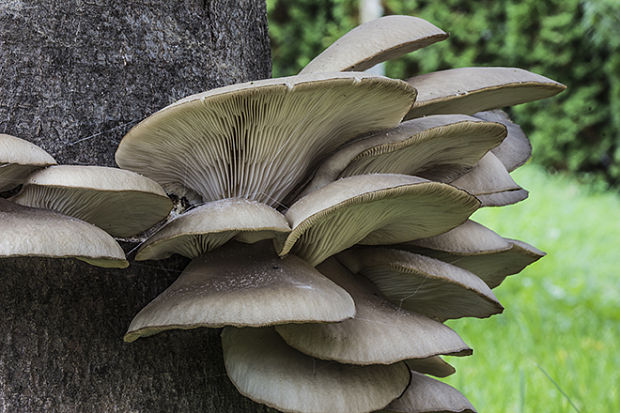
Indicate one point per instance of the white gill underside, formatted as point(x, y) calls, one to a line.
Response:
point(259, 146)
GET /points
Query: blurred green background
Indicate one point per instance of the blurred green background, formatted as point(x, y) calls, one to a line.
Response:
point(556, 347)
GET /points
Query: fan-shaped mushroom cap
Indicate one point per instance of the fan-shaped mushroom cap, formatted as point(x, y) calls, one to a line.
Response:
point(476, 248)
point(243, 285)
point(380, 332)
point(475, 89)
point(373, 209)
point(265, 369)
point(213, 224)
point(516, 148)
point(435, 366)
point(440, 148)
point(18, 159)
point(258, 140)
point(121, 202)
point(491, 183)
point(374, 42)
point(427, 395)
point(422, 284)
point(34, 232)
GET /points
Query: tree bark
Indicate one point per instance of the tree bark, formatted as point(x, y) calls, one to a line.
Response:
point(75, 75)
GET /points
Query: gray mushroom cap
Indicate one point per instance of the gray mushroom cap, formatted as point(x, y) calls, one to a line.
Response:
point(490, 182)
point(516, 149)
point(423, 284)
point(265, 369)
point(435, 366)
point(372, 209)
point(479, 250)
point(437, 147)
point(34, 232)
point(211, 225)
point(243, 285)
point(18, 159)
point(427, 395)
point(258, 140)
point(120, 202)
point(380, 332)
point(475, 89)
point(374, 42)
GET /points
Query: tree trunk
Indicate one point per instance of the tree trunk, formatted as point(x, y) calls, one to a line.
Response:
point(75, 76)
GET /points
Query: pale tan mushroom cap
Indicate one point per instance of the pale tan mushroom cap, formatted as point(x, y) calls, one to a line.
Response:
point(18, 159)
point(439, 147)
point(120, 202)
point(423, 284)
point(427, 395)
point(258, 140)
point(479, 250)
point(516, 149)
point(265, 369)
point(33, 232)
point(374, 42)
point(490, 182)
point(211, 225)
point(243, 285)
point(435, 366)
point(373, 209)
point(467, 239)
point(475, 89)
point(380, 332)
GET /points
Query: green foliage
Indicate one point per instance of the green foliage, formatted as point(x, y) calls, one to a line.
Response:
point(576, 42)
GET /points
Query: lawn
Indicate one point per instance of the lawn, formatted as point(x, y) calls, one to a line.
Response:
point(556, 347)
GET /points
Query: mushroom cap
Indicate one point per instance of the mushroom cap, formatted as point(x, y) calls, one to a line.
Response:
point(18, 159)
point(516, 148)
point(120, 202)
point(372, 209)
point(475, 89)
point(423, 284)
point(435, 366)
point(265, 369)
point(376, 41)
point(34, 232)
point(211, 225)
point(243, 285)
point(469, 238)
point(479, 250)
point(380, 332)
point(258, 140)
point(490, 182)
point(427, 395)
point(439, 147)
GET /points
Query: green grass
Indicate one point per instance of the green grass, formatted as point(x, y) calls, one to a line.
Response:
point(560, 330)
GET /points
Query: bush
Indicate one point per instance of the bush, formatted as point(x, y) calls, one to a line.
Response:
point(574, 42)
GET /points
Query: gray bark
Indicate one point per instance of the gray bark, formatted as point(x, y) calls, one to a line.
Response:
point(74, 76)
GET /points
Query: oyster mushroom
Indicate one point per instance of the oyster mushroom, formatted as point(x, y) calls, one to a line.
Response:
point(373, 210)
point(265, 369)
point(34, 232)
point(469, 90)
point(380, 332)
point(121, 202)
point(18, 159)
point(374, 42)
point(243, 285)
point(423, 284)
point(211, 225)
point(439, 147)
point(258, 140)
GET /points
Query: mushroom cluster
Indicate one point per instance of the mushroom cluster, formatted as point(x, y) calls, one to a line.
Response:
point(328, 221)
point(80, 208)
